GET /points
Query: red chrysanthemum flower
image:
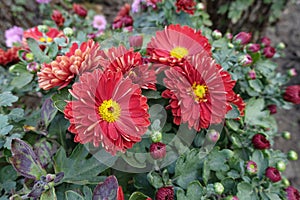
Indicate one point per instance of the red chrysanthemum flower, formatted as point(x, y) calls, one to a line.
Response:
point(292, 94)
point(131, 64)
point(9, 56)
point(200, 92)
point(123, 18)
point(187, 6)
point(79, 10)
point(273, 174)
point(63, 69)
point(110, 110)
point(158, 150)
point(175, 44)
point(260, 141)
point(58, 18)
point(39, 36)
point(292, 193)
point(165, 193)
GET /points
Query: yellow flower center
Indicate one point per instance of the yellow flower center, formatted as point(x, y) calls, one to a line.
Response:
point(109, 110)
point(200, 91)
point(48, 39)
point(179, 52)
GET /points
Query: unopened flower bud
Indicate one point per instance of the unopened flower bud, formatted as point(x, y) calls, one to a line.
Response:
point(68, 31)
point(285, 182)
point(251, 167)
point(280, 46)
point(50, 177)
point(292, 155)
point(286, 135)
point(136, 41)
point(213, 135)
point(43, 28)
point(269, 52)
point(245, 60)
point(230, 45)
point(252, 74)
point(216, 34)
point(33, 67)
point(219, 188)
point(281, 166)
point(230, 197)
point(228, 36)
point(253, 48)
point(266, 41)
point(200, 6)
point(156, 136)
point(273, 174)
point(292, 72)
point(242, 38)
point(272, 108)
point(158, 150)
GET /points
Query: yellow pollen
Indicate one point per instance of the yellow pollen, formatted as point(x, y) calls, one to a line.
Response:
point(200, 91)
point(109, 110)
point(179, 52)
point(42, 39)
point(48, 39)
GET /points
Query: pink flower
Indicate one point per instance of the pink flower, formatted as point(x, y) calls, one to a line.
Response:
point(292, 193)
point(136, 41)
point(251, 167)
point(292, 72)
point(245, 60)
point(269, 52)
point(58, 18)
point(158, 150)
point(253, 48)
point(13, 35)
point(136, 6)
point(99, 22)
point(242, 38)
point(123, 18)
point(292, 94)
point(109, 110)
point(252, 74)
point(165, 193)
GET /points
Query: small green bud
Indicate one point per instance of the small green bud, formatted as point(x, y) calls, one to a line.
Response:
point(286, 135)
point(230, 45)
point(292, 155)
point(219, 188)
point(156, 136)
point(216, 34)
point(68, 31)
point(285, 182)
point(281, 166)
point(281, 46)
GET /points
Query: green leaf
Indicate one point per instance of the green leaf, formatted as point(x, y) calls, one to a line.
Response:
point(194, 191)
point(16, 114)
point(155, 180)
point(38, 53)
point(4, 125)
point(138, 196)
point(49, 194)
point(151, 94)
point(22, 76)
point(59, 99)
point(256, 85)
point(187, 168)
point(72, 195)
point(262, 163)
point(7, 98)
point(77, 168)
point(53, 50)
point(58, 128)
point(218, 159)
point(254, 114)
point(245, 191)
point(233, 113)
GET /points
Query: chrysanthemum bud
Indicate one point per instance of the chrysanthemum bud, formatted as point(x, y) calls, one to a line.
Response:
point(33, 67)
point(272, 108)
point(213, 135)
point(273, 174)
point(266, 41)
point(286, 135)
point(252, 74)
point(228, 36)
point(158, 150)
point(219, 188)
point(165, 193)
point(200, 6)
point(285, 182)
point(260, 141)
point(216, 34)
point(68, 31)
point(292, 155)
point(156, 136)
point(245, 60)
point(253, 48)
point(251, 167)
point(292, 72)
point(269, 52)
point(281, 166)
point(242, 38)
point(280, 46)
point(230, 45)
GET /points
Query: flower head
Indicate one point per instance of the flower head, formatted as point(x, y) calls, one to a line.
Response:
point(269, 52)
point(292, 94)
point(266, 41)
point(79, 10)
point(253, 48)
point(242, 38)
point(251, 167)
point(123, 18)
point(187, 6)
point(259, 141)
point(292, 193)
point(175, 44)
point(272, 108)
point(99, 22)
point(63, 69)
point(158, 150)
point(130, 63)
point(136, 6)
point(165, 193)
point(109, 110)
point(37, 35)
point(13, 35)
point(58, 18)
point(292, 72)
point(245, 60)
point(9, 56)
point(200, 92)
point(273, 174)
